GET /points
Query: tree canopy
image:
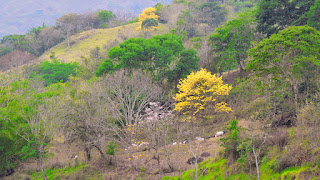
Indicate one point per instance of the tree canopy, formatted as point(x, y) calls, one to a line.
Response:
point(55, 71)
point(288, 57)
point(275, 15)
point(155, 55)
point(232, 41)
point(198, 91)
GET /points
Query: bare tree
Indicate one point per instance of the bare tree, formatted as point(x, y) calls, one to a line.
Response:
point(90, 19)
point(159, 123)
point(109, 109)
point(127, 96)
point(85, 119)
point(69, 24)
point(49, 37)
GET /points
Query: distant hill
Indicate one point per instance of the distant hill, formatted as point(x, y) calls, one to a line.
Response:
point(18, 16)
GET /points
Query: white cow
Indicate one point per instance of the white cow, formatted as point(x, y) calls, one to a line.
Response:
point(220, 133)
point(143, 143)
point(199, 138)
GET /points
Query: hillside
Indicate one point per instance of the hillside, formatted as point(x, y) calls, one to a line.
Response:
point(207, 90)
point(83, 43)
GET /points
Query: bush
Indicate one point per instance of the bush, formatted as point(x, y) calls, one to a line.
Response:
point(55, 71)
point(279, 138)
point(232, 140)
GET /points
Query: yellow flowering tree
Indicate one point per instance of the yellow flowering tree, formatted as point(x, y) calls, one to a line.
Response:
point(199, 90)
point(148, 14)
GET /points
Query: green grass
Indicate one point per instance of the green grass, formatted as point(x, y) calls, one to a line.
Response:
point(211, 169)
point(216, 169)
point(305, 171)
point(82, 171)
point(84, 42)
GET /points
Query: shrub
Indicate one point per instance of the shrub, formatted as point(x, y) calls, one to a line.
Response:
point(232, 141)
point(55, 71)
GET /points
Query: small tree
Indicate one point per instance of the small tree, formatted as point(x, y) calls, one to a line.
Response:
point(34, 118)
point(198, 91)
point(149, 13)
point(232, 141)
point(105, 17)
point(69, 24)
point(55, 71)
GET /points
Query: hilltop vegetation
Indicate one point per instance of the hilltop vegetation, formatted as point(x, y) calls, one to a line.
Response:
point(211, 90)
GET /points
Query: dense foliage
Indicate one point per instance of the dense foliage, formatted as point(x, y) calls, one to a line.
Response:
point(198, 91)
point(24, 124)
point(55, 71)
point(232, 41)
point(155, 55)
point(275, 15)
point(288, 58)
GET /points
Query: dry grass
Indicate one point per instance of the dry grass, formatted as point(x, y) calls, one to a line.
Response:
point(122, 169)
point(84, 42)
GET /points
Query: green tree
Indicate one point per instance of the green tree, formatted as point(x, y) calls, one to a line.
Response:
point(275, 15)
point(231, 41)
point(157, 55)
point(15, 41)
point(105, 17)
point(55, 71)
point(288, 58)
point(314, 15)
point(10, 142)
point(232, 141)
point(188, 62)
point(5, 50)
point(149, 23)
point(211, 13)
point(29, 117)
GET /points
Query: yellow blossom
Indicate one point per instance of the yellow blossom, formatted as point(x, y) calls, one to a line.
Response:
point(148, 13)
point(198, 90)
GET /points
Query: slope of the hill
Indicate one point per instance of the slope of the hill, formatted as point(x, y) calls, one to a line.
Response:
point(82, 43)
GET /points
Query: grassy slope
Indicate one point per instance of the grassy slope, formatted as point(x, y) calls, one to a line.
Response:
point(84, 42)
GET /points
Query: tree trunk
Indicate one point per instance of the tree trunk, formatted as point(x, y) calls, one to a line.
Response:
point(68, 37)
point(40, 161)
point(88, 153)
point(295, 91)
point(159, 165)
point(169, 160)
point(102, 156)
point(256, 161)
point(242, 66)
